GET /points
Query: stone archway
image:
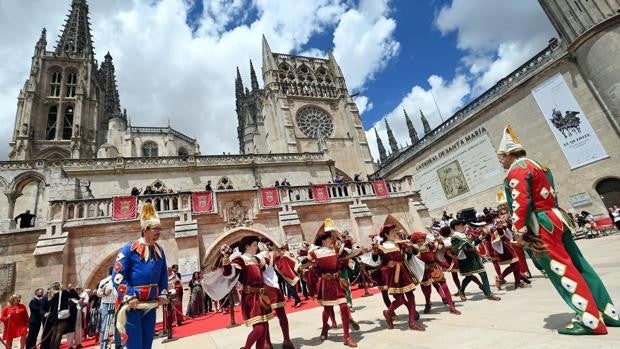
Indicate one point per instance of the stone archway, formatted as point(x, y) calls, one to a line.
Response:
point(100, 272)
point(32, 184)
point(392, 220)
point(231, 238)
point(609, 191)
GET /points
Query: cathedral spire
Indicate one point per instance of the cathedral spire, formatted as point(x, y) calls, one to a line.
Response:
point(238, 85)
point(75, 36)
point(111, 105)
point(391, 139)
point(382, 154)
point(427, 127)
point(268, 63)
point(42, 43)
point(253, 79)
point(413, 134)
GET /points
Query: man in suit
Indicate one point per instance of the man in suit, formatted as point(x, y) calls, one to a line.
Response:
point(36, 316)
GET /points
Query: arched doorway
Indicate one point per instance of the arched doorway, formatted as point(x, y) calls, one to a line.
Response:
point(231, 238)
point(391, 220)
point(609, 191)
point(27, 193)
point(100, 272)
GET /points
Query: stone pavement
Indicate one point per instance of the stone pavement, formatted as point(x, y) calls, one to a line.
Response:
point(523, 318)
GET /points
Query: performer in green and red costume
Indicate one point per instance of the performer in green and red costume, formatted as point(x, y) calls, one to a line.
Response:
point(547, 230)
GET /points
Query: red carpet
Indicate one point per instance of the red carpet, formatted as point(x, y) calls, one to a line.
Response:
point(217, 321)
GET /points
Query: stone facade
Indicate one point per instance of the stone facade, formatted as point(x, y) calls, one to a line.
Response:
point(68, 179)
point(304, 106)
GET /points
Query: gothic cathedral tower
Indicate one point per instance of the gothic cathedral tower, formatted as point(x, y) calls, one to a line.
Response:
point(304, 106)
point(591, 29)
point(64, 106)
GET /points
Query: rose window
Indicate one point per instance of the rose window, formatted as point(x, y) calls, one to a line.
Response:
point(314, 121)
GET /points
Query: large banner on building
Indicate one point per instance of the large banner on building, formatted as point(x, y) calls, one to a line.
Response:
point(320, 192)
point(202, 202)
point(464, 168)
point(270, 197)
point(124, 207)
point(568, 122)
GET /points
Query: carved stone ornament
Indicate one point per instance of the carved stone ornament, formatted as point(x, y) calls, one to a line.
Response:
point(7, 278)
point(238, 215)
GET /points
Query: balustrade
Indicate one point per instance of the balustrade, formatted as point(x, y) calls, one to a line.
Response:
point(169, 204)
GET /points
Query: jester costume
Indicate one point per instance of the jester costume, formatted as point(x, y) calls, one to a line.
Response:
point(531, 195)
point(140, 272)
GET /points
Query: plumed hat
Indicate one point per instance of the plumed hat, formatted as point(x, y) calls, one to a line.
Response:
point(417, 235)
point(509, 143)
point(149, 217)
point(385, 230)
point(329, 225)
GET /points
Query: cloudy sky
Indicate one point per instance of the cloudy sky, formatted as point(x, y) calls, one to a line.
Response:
point(175, 59)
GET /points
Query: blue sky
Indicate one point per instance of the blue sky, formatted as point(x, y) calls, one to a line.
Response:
point(176, 59)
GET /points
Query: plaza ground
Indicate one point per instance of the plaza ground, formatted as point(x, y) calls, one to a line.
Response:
point(523, 318)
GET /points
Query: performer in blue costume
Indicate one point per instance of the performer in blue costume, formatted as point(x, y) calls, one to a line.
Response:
point(141, 281)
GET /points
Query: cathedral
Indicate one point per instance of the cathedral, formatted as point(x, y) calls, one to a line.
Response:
point(78, 164)
point(75, 158)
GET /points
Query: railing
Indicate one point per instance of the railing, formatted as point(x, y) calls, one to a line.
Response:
point(141, 129)
point(162, 161)
point(346, 191)
point(553, 51)
point(86, 209)
point(74, 211)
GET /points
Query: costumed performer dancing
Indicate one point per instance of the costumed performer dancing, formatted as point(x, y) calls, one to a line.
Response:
point(542, 226)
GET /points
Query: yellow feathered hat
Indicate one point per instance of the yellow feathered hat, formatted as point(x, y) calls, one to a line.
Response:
point(149, 217)
point(329, 225)
point(510, 143)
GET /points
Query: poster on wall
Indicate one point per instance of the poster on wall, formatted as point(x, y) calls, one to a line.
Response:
point(568, 122)
point(462, 169)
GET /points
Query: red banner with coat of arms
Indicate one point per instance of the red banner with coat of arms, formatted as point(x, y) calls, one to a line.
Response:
point(124, 207)
point(381, 189)
point(270, 197)
point(202, 202)
point(320, 192)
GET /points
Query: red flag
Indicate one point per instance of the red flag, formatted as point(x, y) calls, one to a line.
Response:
point(380, 188)
point(202, 202)
point(320, 192)
point(270, 197)
point(124, 207)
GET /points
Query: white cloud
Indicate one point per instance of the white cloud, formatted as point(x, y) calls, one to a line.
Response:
point(450, 96)
point(364, 42)
point(493, 42)
point(167, 71)
point(363, 104)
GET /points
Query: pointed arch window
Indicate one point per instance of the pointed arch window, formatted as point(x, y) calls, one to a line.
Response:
point(149, 149)
point(52, 118)
point(71, 84)
point(67, 124)
point(55, 84)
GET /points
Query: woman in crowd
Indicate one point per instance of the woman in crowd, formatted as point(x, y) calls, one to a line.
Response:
point(196, 304)
point(15, 319)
